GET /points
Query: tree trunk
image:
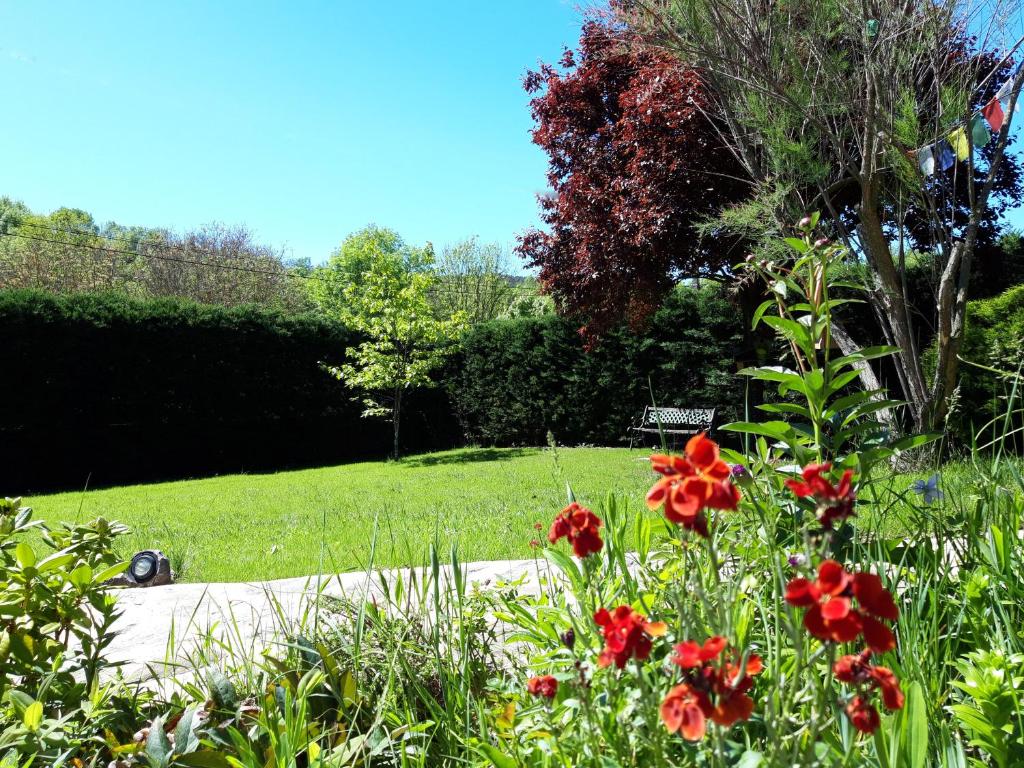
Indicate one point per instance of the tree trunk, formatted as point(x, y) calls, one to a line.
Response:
point(396, 417)
point(887, 297)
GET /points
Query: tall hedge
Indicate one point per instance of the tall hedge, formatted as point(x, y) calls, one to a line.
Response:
point(515, 380)
point(127, 390)
point(994, 338)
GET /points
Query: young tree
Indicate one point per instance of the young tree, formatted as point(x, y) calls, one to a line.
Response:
point(634, 167)
point(354, 258)
point(385, 296)
point(826, 105)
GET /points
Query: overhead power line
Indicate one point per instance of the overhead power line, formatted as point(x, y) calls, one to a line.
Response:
point(285, 272)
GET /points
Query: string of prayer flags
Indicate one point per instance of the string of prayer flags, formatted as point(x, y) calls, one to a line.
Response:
point(958, 141)
point(993, 112)
point(944, 153)
point(979, 132)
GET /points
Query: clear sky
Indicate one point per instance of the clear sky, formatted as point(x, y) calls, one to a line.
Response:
point(303, 120)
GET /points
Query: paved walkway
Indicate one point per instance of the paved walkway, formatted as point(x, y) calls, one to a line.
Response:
point(160, 624)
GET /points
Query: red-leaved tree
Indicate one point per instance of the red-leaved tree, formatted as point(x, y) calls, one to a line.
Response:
point(634, 166)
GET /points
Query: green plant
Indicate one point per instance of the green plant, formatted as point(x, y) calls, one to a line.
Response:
point(56, 621)
point(992, 704)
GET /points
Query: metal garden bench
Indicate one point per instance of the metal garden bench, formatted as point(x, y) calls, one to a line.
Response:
point(673, 421)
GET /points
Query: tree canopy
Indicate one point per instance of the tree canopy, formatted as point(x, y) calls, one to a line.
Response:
point(634, 167)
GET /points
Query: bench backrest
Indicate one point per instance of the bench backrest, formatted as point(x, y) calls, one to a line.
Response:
point(698, 418)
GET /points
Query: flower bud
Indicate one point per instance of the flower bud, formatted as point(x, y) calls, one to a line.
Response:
point(821, 242)
point(804, 223)
point(569, 639)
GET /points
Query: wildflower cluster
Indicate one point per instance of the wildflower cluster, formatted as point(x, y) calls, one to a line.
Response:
point(716, 681)
point(715, 691)
point(833, 502)
point(692, 483)
point(580, 526)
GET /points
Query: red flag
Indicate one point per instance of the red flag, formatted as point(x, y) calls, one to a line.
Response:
point(993, 112)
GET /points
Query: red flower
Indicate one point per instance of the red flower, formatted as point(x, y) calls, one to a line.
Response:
point(691, 483)
point(690, 654)
point(543, 685)
point(626, 634)
point(831, 614)
point(858, 670)
point(834, 502)
point(708, 691)
point(863, 715)
point(579, 525)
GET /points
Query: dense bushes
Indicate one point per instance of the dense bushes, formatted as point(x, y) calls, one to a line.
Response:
point(127, 390)
point(108, 389)
point(516, 380)
point(994, 338)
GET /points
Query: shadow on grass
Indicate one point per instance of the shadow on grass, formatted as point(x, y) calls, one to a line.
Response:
point(468, 456)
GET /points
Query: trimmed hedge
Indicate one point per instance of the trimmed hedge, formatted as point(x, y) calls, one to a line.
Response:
point(129, 390)
point(993, 337)
point(515, 380)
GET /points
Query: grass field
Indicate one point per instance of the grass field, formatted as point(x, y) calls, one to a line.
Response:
point(254, 527)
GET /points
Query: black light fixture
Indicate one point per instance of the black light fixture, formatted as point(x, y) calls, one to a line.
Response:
point(144, 566)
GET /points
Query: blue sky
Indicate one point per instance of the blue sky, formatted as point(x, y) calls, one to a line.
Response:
point(302, 120)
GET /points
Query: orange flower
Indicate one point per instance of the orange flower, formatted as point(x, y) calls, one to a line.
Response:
point(692, 483)
point(579, 525)
point(543, 685)
point(831, 614)
point(686, 710)
point(626, 634)
point(708, 691)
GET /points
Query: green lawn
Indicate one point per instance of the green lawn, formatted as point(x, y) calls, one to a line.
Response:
point(250, 527)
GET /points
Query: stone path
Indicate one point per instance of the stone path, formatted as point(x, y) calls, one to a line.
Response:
point(159, 624)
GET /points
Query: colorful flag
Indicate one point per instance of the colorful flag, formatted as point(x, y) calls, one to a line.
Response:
point(926, 159)
point(945, 155)
point(958, 141)
point(1003, 94)
point(993, 112)
point(979, 132)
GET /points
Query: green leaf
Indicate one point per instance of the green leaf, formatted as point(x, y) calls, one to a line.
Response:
point(185, 739)
point(349, 692)
point(221, 690)
point(204, 759)
point(33, 716)
point(498, 758)
point(916, 441)
point(797, 244)
point(915, 730)
point(776, 430)
point(24, 555)
point(81, 577)
point(759, 312)
point(56, 560)
point(108, 573)
point(158, 746)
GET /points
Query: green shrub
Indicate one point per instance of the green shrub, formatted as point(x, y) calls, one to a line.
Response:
point(516, 380)
point(992, 350)
point(127, 390)
point(56, 622)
